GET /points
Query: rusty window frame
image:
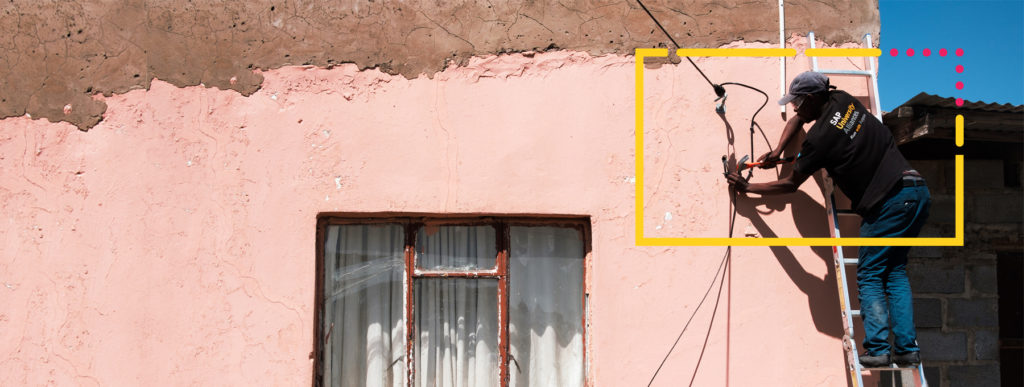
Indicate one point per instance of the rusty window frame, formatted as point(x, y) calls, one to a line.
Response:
point(412, 224)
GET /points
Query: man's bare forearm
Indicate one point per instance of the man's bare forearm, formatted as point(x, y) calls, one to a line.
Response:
point(784, 185)
point(792, 126)
point(772, 188)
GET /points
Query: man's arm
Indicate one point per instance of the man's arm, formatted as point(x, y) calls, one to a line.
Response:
point(784, 185)
point(792, 126)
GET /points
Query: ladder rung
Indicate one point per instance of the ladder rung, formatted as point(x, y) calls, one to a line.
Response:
point(855, 312)
point(850, 261)
point(897, 368)
point(846, 72)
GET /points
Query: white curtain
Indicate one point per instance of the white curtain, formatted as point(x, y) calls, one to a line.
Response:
point(363, 325)
point(456, 247)
point(546, 307)
point(456, 318)
point(456, 334)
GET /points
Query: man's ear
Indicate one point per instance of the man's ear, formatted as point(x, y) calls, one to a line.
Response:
point(819, 100)
point(821, 97)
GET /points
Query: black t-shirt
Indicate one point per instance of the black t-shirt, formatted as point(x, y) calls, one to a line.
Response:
point(856, 149)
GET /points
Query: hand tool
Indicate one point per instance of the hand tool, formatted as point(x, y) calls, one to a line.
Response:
point(741, 166)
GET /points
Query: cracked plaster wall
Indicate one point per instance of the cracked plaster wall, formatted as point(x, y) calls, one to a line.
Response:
point(56, 55)
point(173, 243)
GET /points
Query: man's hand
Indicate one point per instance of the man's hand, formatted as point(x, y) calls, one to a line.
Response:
point(769, 160)
point(736, 182)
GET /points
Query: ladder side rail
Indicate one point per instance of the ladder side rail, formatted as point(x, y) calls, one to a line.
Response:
point(920, 371)
point(876, 100)
point(840, 257)
point(849, 343)
point(814, 59)
point(871, 73)
point(840, 262)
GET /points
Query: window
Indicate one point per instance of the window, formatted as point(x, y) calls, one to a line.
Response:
point(450, 302)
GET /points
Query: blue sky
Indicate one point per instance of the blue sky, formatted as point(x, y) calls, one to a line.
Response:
point(990, 33)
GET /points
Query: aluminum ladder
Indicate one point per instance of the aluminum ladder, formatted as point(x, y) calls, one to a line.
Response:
point(840, 260)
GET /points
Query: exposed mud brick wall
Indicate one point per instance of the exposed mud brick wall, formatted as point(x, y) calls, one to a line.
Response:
point(55, 55)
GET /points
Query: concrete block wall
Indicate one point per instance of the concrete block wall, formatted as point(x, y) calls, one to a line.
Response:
point(956, 312)
point(955, 288)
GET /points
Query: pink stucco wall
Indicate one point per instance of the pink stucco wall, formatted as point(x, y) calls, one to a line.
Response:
point(173, 244)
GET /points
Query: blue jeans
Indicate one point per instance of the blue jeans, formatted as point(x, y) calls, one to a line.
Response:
point(882, 271)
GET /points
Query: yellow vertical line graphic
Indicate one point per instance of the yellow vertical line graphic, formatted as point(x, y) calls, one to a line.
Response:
point(638, 134)
point(959, 195)
point(959, 130)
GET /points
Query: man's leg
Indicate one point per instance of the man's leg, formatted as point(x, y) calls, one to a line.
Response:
point(871, 291)
point(881, 271)
point(901, 309)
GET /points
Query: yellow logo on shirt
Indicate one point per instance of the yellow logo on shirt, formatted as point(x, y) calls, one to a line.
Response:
point(845, 122)
point(846, 118)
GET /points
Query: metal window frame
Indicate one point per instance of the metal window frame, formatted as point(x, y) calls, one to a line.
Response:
point(412, 224)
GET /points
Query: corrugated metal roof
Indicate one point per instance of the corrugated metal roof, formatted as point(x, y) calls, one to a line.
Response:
point(932, 116)
point(929, 100)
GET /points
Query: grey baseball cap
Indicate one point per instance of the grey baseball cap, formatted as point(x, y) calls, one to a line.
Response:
point(808, 82)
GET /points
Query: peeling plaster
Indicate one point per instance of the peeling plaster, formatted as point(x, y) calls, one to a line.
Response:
point(60, 59)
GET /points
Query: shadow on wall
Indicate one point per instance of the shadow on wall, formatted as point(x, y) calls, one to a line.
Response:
point(822, 295)
point(809, 216)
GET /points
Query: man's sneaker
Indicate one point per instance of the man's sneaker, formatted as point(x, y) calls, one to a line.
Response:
point(868, 361)
point(908, 359)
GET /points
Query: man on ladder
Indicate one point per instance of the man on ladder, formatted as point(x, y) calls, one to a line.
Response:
point(859, 153)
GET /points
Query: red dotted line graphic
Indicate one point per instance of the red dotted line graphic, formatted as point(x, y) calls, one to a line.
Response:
point(942, 52)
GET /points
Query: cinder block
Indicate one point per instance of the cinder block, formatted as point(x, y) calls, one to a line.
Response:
point(978, 174)
point(933, 375)
point(939, 346)
point(978, 256)
point(934, 172)
point(925, 251)
point(928, 313)
point(974, 375)
point(986, 345)
point(943, 209)
point(1001, 207)
point(936, 278)
point(933, 229)
point(983, 174)
point(983, 279)
point(972, 313)
point(898, 378)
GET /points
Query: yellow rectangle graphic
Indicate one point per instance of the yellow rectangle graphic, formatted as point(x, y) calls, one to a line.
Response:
point(641, 240)
point(736, 52)
point(843, 52)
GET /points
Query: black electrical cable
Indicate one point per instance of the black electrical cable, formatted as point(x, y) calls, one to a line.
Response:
point(719, 88)
point(719, 91)
point(711, 323)
point(753, 122)
point(732, 224)
point(725, 258)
